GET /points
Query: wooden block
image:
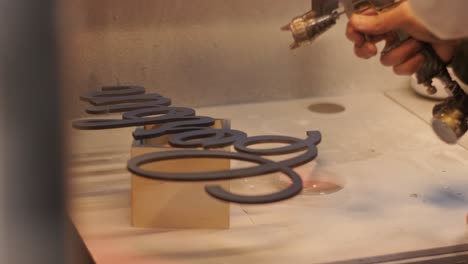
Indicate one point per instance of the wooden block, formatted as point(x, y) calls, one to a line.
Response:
point(163, 204)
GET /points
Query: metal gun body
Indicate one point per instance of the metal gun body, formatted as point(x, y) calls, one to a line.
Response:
point(450, 118)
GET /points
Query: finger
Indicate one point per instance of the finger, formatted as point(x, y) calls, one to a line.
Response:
point(359, 39)
point(377, 38)
point(366, 51)
point(446, 50)
point(381, 23)
point(410, 66)
point(354, 36)
point(402, 53)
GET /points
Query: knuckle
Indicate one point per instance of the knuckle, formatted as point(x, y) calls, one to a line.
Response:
point(349, 33)
point(403, 69)
point(379, 24)
point(421, 58)
point(415, 45)
point(386, 60)
point(398, 70)
point(360, 52)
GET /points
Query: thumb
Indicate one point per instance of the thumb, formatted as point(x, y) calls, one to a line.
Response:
point(381, 23)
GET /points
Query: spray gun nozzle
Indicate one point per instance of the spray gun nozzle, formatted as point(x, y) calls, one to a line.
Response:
point(307, 27)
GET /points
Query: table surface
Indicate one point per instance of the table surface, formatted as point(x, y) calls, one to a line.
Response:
point(403, 191)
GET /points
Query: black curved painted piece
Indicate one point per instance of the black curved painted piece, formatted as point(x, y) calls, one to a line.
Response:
point(139, 117)
point(167, 111)
point(118, 108)
point(116, 99)
point(113, 100)
point(207, 138)
point(265, 166)
point(110, 91)
point(191, 131)
point(177, 125)
point(295, 144)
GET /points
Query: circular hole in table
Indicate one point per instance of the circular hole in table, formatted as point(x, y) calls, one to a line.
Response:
point(326, 108)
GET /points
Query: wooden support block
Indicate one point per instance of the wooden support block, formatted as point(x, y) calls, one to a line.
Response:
point(163, 204)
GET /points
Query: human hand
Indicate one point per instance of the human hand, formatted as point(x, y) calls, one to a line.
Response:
point(405, 59)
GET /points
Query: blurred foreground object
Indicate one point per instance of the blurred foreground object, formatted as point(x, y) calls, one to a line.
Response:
point(33, 173)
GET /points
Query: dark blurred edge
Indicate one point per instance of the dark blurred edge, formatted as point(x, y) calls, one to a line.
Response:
point(75, 249)
point(33, 188)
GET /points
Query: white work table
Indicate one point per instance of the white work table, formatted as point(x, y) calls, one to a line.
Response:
point(405, 193)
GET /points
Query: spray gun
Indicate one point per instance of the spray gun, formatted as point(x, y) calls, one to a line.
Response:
point(450, 118)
